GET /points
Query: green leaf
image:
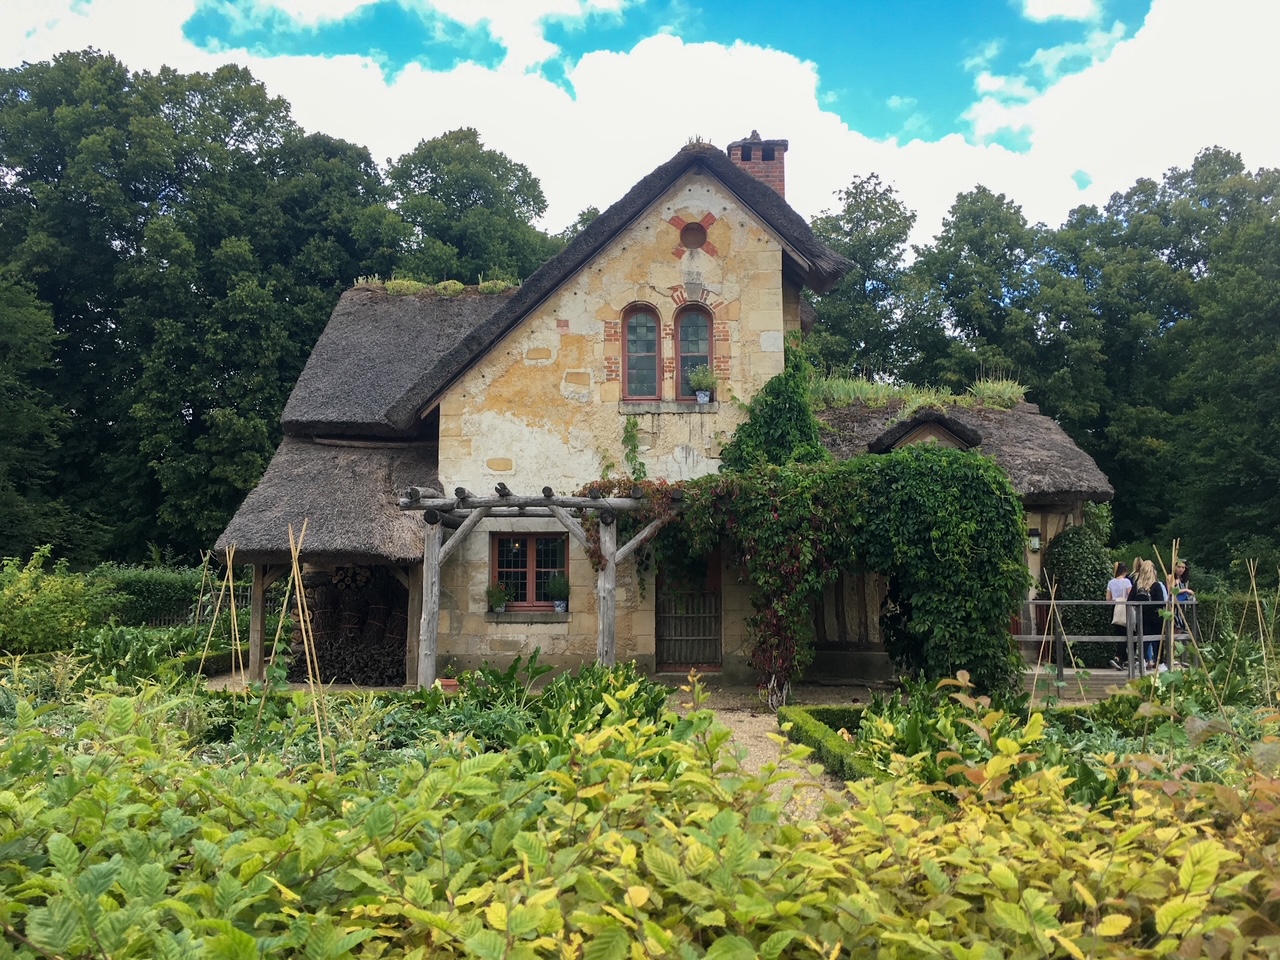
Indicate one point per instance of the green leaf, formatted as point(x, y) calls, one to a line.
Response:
point(380, 821)
point(772, 948)
point(97, 879)
point(64, 854)
point(1199, 867)
point(663, 866)
point(731, 948)
point(611, 943)
point(53, 927)
point(232, 945)
point(1177, 916)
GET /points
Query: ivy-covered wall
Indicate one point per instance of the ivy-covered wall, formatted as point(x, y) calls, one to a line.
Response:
point(945, 526)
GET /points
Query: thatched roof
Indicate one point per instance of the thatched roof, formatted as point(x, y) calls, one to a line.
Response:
point(377, 355)
point(347, 491)
point(383, 359)
point(1042, 462)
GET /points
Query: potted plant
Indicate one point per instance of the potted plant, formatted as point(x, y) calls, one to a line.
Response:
point(702, 381)
point(497, 595)
point(448, 678)
point(558, 591)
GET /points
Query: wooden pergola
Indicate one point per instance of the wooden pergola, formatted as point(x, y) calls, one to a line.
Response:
point(464, 511)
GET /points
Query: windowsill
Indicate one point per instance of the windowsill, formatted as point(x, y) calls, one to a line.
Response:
point(633, 407)
point(527, 616)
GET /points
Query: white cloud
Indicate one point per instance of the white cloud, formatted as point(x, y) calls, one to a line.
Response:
point(1184, 81)
point(1041, 10)
point(900, 103)
point(982, 59)
point(311, 13)
point(1095, 48)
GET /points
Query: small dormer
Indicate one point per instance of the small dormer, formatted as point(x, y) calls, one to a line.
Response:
point(926, 426)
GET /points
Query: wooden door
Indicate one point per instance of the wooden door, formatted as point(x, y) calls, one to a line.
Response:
point(688, 621)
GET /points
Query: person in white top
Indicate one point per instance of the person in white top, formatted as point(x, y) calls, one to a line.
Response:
point(1118, 588)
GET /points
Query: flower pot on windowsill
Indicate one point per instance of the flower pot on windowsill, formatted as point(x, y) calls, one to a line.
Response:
point(702, 396)
point(561, 606)
point(500, 608)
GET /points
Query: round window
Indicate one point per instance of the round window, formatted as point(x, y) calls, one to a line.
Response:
point(692, 236)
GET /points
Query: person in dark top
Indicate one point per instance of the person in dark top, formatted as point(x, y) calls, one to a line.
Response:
point(1152, 622)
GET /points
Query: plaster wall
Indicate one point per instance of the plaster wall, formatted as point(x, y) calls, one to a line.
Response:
point(545, 408)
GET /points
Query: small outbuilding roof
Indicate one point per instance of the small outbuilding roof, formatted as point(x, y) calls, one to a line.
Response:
point(1042, 462)
point(347, 491)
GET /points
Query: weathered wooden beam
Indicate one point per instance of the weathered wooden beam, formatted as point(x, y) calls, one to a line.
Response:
point(257, 623)
point(400, 574)
point(414, 633)
point(449, 504)
point(467, 526)
point(606, 594)
point(429, 633)
point(645, 535)
point(570, 524)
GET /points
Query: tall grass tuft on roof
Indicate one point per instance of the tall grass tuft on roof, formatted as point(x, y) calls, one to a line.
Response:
point(998, 392)
point(837, 392)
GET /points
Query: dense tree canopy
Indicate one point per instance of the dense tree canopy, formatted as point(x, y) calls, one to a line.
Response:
point(171, 245)
point(189, 240)
point(1150, 329)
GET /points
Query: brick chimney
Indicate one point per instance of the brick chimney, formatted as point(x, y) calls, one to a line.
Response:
point(763, 159)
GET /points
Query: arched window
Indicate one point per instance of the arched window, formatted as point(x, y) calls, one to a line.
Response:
point(641, 356)
point(693, 347)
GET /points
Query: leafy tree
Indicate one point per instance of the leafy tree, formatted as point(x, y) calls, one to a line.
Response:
point(28, 427)
point(190, 241)
point(856, 321)
point(471, 210)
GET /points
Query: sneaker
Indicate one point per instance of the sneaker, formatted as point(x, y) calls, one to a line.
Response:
point(1164, 668)
point(1116, 664)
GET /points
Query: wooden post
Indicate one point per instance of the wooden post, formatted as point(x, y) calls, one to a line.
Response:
point(606, 592)
point(414, 633)
point(430, 626)
point(258, 623)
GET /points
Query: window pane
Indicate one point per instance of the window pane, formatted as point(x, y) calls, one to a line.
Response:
point(550, 561)
point(695, 346)
point(642, 355)
point(695, 334)
point(513, 567)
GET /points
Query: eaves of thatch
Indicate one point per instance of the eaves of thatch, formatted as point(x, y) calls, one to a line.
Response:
point(348, 494)
point(376, 356)
point(1042, 462)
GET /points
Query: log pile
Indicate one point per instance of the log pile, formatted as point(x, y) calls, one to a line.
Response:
point(358, 637)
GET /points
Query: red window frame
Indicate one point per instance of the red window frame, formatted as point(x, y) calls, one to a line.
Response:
point(535, 569)
point(627, 316)
point(707, 358)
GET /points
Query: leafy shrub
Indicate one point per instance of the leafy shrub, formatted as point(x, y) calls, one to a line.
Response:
point(129, 654)
point(146, 595)
point(43, 610)
point(404, 288)
point(639, 838)
point(780, 426)
point(494, 286)
point(1077, 564)
point(450, 288)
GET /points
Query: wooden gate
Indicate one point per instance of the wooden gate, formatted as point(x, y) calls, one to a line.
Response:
point(688, 622)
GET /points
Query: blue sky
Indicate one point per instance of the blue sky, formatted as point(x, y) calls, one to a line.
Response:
point(1054, 102)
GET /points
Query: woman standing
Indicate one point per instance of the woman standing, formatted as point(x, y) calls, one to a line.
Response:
point(1118, 588)
point(1152, 623)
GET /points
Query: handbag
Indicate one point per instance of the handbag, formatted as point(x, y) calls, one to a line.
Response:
point(1118, 615)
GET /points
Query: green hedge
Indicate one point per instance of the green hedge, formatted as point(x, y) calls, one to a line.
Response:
point(818, 728)
point(150, 595)
point(42, 610)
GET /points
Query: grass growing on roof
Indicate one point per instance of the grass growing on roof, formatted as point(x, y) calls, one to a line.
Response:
point(834, 392)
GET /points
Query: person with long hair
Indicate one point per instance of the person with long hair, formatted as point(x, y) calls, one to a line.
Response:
point(1149, 584)
point(1118, 588)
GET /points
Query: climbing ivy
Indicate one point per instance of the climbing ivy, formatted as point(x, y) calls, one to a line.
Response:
point(944, 526)
point(780, 426)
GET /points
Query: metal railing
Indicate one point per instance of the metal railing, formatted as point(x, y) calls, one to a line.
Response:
point(1182, 625)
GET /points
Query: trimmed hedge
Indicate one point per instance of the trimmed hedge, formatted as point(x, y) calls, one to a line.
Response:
point(150, 595)
point(819, 729)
